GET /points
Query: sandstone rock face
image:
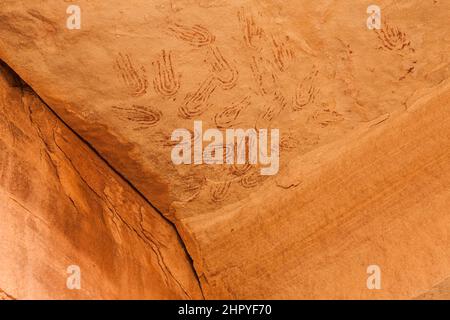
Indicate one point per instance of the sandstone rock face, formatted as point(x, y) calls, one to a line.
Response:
point(363, 117)
point(61, 205)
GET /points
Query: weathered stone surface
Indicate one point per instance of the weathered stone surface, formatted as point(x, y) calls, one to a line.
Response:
point(312, 69)
point(440, 291)
point(380, 198)
point(61, 205)
point(363, 116)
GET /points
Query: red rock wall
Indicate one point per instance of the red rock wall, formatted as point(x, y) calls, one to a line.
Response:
point(61, 205)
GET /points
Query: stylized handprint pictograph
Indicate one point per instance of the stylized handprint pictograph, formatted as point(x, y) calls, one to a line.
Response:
point(229, 115)
point(273, 109)
point(196, 35)
point(251, 31)
point(223, 72)
point(134, 79)
point(196, 103)
point(223, 75)
point(219, 191)
point(282, 52)
point(240, 169)
point(251, 179)
point(189, 187)
point(166, 81)
point(288, 142)
point(306, 91)
point(392, 38)
point(142, 116)
point(264, 78)
point(325, 116)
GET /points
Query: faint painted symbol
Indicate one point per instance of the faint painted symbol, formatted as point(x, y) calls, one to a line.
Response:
point(133, 77)
point(166, 81)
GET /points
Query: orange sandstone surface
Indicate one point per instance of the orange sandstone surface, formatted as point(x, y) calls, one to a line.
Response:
point(87, 179)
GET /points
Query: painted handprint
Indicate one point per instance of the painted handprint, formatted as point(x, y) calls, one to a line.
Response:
point(134, 79)
point(166, 82)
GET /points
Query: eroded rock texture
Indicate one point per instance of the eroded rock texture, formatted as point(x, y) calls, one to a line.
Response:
point(363, 116)
point(61, 205)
